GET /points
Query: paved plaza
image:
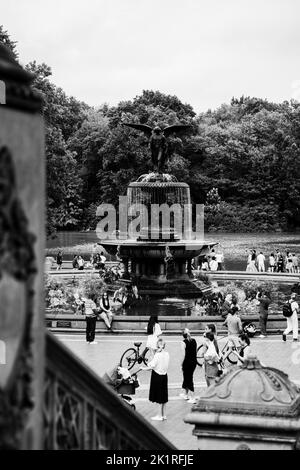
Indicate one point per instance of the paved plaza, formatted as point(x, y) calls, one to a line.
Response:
point(106, 353)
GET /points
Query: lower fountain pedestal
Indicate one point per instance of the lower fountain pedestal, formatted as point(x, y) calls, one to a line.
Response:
point(145, 263)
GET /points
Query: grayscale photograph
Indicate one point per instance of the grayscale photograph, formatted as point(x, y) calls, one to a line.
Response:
point(150, 228)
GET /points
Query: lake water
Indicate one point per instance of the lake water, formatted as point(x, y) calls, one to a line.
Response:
point(234, 245)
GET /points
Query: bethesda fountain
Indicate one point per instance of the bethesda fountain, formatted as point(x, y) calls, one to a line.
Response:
point(159, 258)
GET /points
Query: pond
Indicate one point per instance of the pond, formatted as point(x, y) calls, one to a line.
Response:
point(234, 245)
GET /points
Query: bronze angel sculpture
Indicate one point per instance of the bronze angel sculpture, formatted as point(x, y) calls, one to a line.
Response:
point(158, 141)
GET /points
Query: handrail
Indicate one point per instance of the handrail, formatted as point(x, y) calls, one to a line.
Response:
point(82, 412)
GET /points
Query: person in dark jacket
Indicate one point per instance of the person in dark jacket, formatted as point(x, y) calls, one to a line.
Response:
point(59, 260)
point(189, 363)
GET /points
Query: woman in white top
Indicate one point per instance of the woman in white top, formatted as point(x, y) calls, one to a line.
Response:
point(153, 331)
point(158, 392)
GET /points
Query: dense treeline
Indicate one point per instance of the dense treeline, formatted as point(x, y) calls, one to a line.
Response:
point(242, 160)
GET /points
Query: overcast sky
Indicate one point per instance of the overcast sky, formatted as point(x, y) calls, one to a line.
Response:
point(203, 51)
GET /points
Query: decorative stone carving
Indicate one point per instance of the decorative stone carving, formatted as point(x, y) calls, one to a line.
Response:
point(250, 407)
point(17, 271)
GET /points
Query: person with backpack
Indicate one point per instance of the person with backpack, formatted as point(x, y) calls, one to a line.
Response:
point(290, 312)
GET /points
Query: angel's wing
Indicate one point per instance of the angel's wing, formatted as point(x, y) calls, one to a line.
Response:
point(176, 128)
point(140, 127)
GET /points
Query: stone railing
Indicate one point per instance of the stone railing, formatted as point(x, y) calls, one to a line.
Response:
point(82, 412)
point(64, 321)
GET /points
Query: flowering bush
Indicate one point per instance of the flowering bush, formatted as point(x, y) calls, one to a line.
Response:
point(60, 294)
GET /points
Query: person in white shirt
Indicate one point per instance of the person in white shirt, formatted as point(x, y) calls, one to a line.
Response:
point(292, 321)
point(103, 260)
point(153, 331)
point(204, 265)
point(213, 265)
point(220, 261)
point(261, 262)
point(80, 262)
point(158, 392)
point(91, 320)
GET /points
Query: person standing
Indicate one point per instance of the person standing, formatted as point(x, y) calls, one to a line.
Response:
point(189, 363)
point(153, 331)
point(80, 262)
point(213, 265)
point(75, 262)
point(292, 321)
point(59, 260)
point(234, 325)
point(251, 266)
point(289, 263)
point(220, 260)
point(261, 262)
point(204, 265)
point(211, 328)
point(245, 350)
point(211, 359)
point(264, 302)
point(271, 263)
point(295, 263)
point(280, 263)
point(91, 320)
point(158, 392)
point(102, 260)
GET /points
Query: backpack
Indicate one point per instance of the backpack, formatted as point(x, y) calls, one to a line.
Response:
point(287, 310)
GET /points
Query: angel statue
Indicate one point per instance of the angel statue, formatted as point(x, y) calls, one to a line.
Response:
point(158, 141)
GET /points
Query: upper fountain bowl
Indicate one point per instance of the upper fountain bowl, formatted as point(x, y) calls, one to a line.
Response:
point(157, 178)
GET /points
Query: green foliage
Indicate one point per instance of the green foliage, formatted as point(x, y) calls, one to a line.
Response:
point(7, 41)
point(63, 116)
point(92, 287)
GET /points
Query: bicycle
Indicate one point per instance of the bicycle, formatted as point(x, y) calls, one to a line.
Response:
point(231, 357)
point(132, 356)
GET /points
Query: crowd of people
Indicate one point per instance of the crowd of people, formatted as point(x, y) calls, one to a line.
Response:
point(238, 343)
point(276, 262)
point(214, 261)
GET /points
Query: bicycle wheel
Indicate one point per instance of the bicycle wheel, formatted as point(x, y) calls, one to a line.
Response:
point(128, 359)
point(232, 359)
point(146, 357)
point(200, 356)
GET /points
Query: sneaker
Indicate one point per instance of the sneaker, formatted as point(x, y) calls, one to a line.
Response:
point(295, 339)
point(164, 418)
point(157, 418)
point(283, 337)
point(94, 342)
point(262, 336)
point(183, 395)
point(192, 401)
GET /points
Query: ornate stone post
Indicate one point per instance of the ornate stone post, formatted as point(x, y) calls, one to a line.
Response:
point(21, 259)
point(250, 407)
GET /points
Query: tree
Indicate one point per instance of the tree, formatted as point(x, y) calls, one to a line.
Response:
point(7, 41)
point(63, 117)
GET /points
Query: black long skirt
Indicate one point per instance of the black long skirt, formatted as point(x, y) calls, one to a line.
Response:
point(188, 372)
point(158, 388)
